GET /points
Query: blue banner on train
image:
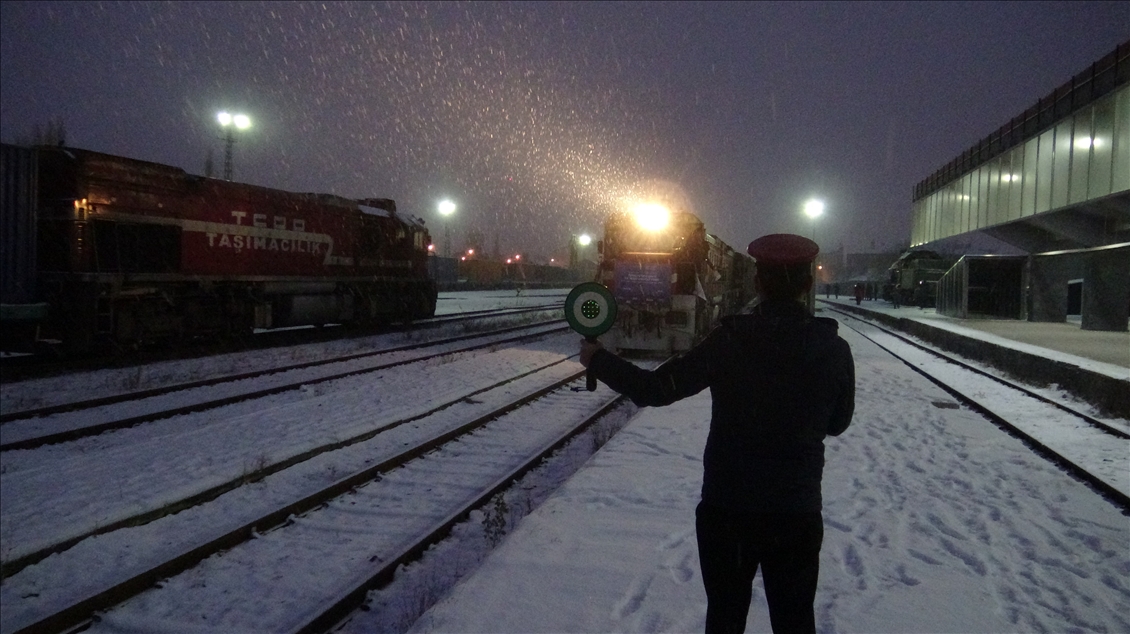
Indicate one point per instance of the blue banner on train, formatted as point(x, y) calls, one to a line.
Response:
point(643, 282)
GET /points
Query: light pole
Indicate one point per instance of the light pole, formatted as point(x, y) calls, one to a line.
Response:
point(577, 243)
point(231, 122)
point(584, 240)
point(446, 208)
point(814, 208)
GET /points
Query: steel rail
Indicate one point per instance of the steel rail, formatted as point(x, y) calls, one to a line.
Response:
point(13, 566)
point(29, 364)
point(79, 614)
point(1104, 489)
point(1016, 386)
point(6, 417)
point(348, 601)
point(94, 430)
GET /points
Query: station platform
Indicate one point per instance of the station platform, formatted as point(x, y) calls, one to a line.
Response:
point(1091, 365)
point(1067, 337)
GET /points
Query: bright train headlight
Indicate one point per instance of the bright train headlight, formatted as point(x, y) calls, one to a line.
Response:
point(651, 216)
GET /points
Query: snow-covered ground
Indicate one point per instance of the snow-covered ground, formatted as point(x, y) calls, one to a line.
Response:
point(1104, 352)
point(935, 520)
point(467, 301)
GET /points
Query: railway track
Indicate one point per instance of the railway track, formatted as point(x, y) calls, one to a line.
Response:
point(507, 425)
point(1091, 449)
point(32, 428)
point(46, 364)
point(252, 470)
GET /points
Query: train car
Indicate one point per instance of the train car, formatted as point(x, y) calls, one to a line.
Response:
point(671, 279)
point(21, 313)
point(913, 278)
point(130, 252)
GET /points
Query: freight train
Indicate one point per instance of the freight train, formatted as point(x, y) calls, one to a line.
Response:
point(101, 249)
point(671, 279)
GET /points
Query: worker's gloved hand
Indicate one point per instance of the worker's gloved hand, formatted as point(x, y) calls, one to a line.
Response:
point(589, 348)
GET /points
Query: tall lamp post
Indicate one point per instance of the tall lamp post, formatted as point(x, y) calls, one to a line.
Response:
point(814, 209)
point(577, 244)
point(446, 208)
point(230, 123)
point(583, 241)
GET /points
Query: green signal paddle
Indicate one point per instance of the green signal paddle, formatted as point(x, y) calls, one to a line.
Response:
point(590, 309)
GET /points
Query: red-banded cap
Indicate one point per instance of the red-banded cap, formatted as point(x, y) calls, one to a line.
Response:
point(783, 248)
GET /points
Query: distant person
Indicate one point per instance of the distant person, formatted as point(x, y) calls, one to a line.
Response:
point(780, 380)
point(895, 297)
point(858, 294)
point(919, 296)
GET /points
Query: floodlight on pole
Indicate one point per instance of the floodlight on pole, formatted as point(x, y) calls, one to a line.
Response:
point(576, 244)
point(814, 208)
point(446, 209)
point(230, 123)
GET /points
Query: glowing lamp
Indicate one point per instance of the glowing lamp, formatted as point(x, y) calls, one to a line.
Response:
point(584, 240)
point(240, 121)
point(814, 208)
point(652, 216)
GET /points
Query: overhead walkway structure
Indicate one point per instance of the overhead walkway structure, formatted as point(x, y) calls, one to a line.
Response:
point(1055, 183)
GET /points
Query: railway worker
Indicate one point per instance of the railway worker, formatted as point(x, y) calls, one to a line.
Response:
point(781, 380)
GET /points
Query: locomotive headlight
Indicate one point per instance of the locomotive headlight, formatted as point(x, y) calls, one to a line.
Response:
point(651, 216)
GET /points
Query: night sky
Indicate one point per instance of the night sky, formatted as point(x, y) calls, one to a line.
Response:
point(537, 119)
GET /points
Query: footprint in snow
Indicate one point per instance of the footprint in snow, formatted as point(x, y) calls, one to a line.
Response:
point(680, 567)
point(632, 599)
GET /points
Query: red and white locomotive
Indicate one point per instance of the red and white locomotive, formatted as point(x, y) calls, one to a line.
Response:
point(130, 251)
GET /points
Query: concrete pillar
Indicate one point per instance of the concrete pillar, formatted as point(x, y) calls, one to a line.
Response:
point(1106, 289)
point(1047, 285)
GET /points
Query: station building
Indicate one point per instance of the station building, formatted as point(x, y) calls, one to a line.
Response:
point(1054, 182)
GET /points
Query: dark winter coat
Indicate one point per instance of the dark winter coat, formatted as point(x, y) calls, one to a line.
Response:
point(780, 380)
